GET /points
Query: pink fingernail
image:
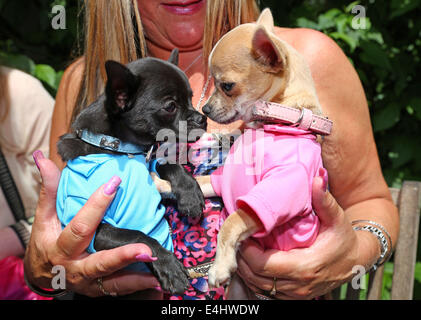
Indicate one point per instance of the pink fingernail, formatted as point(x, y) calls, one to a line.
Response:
point(323, 174)
point(145, 258)
point(112, 185)
point(158, 288)
point(38, 155)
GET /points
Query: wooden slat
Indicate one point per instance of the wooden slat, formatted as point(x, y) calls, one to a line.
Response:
point(375, 284)
point(408, 201)
point(336, 293)
point(352, 294)
point(394, 192)
point(406, 248)
point(376, 278)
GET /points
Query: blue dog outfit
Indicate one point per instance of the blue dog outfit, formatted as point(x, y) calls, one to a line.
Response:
point(137, 203)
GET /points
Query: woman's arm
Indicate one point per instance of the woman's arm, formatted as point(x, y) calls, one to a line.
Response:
point(349, 154)
point(357, 187)
point(65, 102)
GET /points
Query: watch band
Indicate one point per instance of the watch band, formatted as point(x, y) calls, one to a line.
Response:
point(44, 292)
point(382, 235)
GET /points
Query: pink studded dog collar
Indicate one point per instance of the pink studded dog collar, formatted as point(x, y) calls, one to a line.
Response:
point(304, 119)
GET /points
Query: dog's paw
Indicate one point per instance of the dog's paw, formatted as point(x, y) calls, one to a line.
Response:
point(191, 205)
point(190, 200)
point(219, 274)
point(223, 267)
point(170, 272)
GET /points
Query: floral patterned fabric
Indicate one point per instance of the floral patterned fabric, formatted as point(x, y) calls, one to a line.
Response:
point(195, 239)
point(195, 244)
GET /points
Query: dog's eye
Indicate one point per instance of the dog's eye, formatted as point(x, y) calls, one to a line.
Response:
point(171, 107)
point(227, 86)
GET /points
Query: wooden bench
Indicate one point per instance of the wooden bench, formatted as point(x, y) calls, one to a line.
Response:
point(408, 201)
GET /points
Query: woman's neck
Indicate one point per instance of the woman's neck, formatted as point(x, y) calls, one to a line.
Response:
point(188, 60)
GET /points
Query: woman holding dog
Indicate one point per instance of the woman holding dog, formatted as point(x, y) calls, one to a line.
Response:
point(357, 190)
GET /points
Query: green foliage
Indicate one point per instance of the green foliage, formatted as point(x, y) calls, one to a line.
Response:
point(387, 280)
point(385, 53)
point(29, 43)
point(386, 56)
point(43, 72)
point(417, 286)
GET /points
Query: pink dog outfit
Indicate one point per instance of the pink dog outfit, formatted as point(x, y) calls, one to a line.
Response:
point(271, 171)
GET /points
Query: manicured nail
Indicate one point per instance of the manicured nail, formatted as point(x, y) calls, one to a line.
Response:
point(323, 174)
point(112, 185)
point(158, 288)
point(145, 258)
point(38, 155)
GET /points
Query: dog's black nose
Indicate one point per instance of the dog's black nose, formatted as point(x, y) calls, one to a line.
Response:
point(206, 109)
point(197, 119)
point(203, 119)
point(200, 119)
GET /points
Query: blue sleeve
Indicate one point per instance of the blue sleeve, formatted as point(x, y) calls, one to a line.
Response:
point(154, 163)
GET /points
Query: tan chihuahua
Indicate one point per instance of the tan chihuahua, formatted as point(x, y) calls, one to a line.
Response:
point(251, 63)
point(248, 64)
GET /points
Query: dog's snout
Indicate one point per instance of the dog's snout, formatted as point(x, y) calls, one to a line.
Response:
point(201, 119)
point(197, 119)
point(206, 109)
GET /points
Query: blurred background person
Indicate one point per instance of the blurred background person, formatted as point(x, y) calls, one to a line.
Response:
point(25, 120)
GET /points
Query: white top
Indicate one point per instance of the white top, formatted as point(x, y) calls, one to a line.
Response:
point(25, 130)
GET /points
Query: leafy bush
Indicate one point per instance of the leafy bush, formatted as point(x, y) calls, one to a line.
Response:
point(29, 43)
point(386, 55)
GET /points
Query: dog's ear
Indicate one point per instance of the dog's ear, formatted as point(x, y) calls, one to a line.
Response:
point(266, 19)
point(120, 86)
point(266, 52)
point(174, 57)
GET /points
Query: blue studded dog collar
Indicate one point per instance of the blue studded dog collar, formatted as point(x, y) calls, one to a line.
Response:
point(110, 143)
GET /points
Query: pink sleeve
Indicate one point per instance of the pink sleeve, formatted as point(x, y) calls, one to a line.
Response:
point(282, 194)
point(216, 179)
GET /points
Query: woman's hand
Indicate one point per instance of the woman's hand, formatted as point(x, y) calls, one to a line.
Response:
point(307, 272)
point(51, 246)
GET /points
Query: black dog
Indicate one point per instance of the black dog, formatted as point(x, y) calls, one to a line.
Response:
point(140, 99)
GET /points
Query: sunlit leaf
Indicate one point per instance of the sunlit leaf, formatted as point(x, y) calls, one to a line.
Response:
point(46, 73)
point(351, 42)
